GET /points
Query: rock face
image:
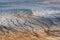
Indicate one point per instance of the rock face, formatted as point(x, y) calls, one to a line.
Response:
point(28, 27)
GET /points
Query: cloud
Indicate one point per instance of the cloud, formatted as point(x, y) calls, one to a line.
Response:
point(53, 0)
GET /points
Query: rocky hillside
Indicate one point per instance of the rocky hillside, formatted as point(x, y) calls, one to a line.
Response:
point(28, 27)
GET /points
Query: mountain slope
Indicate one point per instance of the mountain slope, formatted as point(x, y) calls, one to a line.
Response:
point(27, 27)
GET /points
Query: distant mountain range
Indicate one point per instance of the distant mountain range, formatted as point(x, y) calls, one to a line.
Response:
point(15, 11)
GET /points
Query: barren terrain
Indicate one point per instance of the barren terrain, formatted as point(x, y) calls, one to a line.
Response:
point(27, 27)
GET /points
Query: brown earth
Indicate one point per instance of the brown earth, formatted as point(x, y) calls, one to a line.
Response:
point(27, 36)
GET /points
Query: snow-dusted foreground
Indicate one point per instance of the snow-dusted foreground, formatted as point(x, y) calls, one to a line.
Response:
point(28, 27)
